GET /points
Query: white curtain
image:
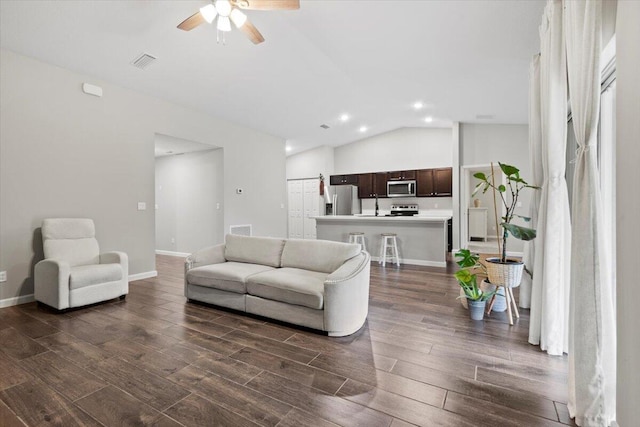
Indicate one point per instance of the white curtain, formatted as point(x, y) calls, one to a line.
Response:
point(535, 156)
point(551, 272)
point(592, 344)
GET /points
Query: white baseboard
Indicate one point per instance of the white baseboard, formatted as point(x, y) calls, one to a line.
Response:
point(171, 253)
point(416, 262)
point(23, 299)
point(145, 275)
point(8, 302)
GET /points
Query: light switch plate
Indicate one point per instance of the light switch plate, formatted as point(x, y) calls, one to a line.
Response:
point(142, 206)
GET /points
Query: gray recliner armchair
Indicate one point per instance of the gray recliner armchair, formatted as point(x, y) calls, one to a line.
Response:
point(74, 272)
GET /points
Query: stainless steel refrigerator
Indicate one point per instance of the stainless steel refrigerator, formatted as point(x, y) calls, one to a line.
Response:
point(345, 200)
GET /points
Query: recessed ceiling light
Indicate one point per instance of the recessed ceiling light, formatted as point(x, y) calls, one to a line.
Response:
point(363, 129)
point(344, 117)
point(288, 148)
point(419, 105)
point(428, 119)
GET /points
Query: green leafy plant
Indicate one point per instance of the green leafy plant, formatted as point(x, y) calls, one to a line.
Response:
point(467, 276)
point(515, 184)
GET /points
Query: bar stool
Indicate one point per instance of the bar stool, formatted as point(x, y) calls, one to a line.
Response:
point(389, 249)
point(357, 237)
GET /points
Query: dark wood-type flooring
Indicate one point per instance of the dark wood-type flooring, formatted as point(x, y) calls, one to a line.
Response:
point(153, 359)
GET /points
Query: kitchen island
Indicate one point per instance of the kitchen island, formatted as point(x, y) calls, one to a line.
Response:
point(422, 240)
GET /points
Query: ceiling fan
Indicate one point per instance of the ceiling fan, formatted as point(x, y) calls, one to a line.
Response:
point(228, 11)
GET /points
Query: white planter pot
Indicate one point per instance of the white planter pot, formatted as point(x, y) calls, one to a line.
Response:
point(507, 274)
point(500, 304)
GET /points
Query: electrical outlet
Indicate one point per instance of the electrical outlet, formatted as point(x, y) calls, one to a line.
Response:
point(173, 240)
point(3, 276)
point(142, 206)
point(217, 205)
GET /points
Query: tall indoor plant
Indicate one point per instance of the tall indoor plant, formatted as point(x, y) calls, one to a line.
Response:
point(502, 270)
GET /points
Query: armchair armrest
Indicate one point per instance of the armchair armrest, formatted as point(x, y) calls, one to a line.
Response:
point(346, 296)
point(51, 283)
point(117, 257)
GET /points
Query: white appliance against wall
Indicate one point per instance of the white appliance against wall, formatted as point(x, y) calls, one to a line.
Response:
point(478, 223)
point(305, 203)
point(344, 199)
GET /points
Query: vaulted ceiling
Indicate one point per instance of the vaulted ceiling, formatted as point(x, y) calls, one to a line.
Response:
point(466, 61)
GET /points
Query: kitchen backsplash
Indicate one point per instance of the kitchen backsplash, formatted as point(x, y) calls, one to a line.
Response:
point(424, 203)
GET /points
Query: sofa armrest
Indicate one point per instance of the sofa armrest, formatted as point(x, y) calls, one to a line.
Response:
point(51, 283)
point(346, 296)
point(206, 256)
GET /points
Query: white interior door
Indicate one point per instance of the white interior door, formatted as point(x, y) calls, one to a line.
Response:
point(296, 200)
point(311, 206)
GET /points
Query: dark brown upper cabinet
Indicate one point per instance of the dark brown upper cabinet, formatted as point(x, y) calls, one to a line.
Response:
point(401, 175)
point(343, 179)
point(434, 182)
point(372, 184)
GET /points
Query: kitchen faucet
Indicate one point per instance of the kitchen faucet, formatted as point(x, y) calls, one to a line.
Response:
point(376, 196)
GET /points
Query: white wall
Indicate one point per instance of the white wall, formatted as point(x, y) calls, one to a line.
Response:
point(406, 148)
point(481, 144)
point(627, 210)
point(311, 163)
point(188, 187)
point(64, 153)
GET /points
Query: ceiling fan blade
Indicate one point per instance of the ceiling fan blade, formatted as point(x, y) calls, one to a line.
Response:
point(191, 22)
point(267, 4)
point(252, 32)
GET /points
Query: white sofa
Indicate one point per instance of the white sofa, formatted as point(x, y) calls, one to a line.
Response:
point(314, 283)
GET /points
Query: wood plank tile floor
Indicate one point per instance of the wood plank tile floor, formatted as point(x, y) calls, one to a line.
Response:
point(153, 359)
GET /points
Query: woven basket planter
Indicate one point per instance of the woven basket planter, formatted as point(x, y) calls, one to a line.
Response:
point(508, 274)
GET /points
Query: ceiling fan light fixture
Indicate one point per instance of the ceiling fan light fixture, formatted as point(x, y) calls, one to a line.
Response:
point(224, 24)
point(223, 7)
point(238, 18)
point(208, 12)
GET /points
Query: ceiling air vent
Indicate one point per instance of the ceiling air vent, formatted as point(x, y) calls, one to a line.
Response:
point(143, 61)
point(324, 126)
point(485, 116)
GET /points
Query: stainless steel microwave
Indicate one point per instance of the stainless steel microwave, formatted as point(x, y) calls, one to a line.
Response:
point(401, 188)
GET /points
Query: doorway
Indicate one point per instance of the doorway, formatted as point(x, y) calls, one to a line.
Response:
point(478, 215)
point(189, 195)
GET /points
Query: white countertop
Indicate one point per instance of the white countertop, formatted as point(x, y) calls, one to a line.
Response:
point(367, 217)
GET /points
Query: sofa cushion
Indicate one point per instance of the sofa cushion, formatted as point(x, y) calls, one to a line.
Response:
point(255, 250)
point(290, 285)
point(88, 275)
point(317, 255)
point(227, 276)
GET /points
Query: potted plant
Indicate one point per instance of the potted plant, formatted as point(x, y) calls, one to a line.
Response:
point(467, 278)
point(501, 270)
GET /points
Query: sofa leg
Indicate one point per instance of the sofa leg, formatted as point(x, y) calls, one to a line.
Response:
point(123, 296)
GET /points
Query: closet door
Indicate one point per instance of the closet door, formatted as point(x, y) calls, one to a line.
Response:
point(311, 206)
point(296, 201)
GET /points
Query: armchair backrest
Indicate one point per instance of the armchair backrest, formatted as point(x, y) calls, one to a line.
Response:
point(70, 239)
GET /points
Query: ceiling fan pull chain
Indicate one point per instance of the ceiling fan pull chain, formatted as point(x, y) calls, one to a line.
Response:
point(224, 41)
